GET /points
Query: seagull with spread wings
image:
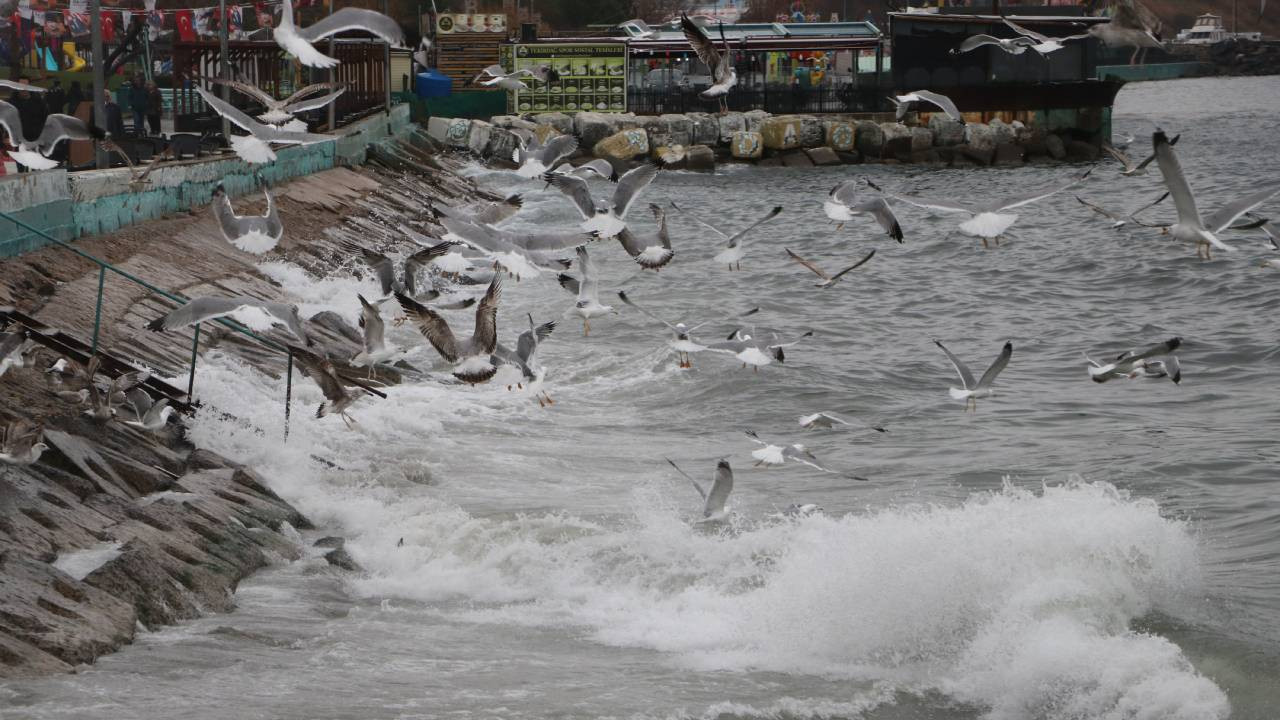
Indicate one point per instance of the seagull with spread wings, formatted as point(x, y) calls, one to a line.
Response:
point(828, 280)
point(605, 216)
point(277, 112)
point(471, 357)
point(337, 398)
point(523, 254)
point(299, 41)
point(1044, 44)
point(682, 342)
point(255, 148)
point(735, 247)
point(723, 75)
point(651, 252)
point(257, 315)
point(904, 104)
point(524, 357)
point(770, 454)
point(1131, 168)
point(843, 204)
point(971, 390)
point(1129, 364)
point(35, 154)
point(535, 158)
point(21, 442)
point(1117, 220)
point(587, 289)
point(753, 352)
point(713, 502)
point(255, 234)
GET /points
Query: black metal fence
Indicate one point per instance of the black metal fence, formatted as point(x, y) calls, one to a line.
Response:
point(776, 99)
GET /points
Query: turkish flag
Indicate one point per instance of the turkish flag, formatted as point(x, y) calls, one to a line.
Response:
point(108, 24)
point(186, 30)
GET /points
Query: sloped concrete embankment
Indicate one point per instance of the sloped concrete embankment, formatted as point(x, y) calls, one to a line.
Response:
point(114, 528)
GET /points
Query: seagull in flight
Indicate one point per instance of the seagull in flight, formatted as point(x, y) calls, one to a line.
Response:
point(735, 250)
point(372, 330)
point(605, 217)
point(1130, 169)
point(1117, 220)
point(1130, 365)
point(485, 213)
point(595, 168)
point(826, 421)
point(469, 356)
point(299, 42)
point(770, 454)
point(1191, 225)
point(842, 205)
point(34, 154)
point(756, 353)
point(588, 291)
point(723, 75)
point(150, 415)
point(906, 103)
point(257, 315)
point(713, 502)
point(525, 355)
point(650, 253)
point(1013, 46)
point(255, 148)
point(988, 220)
point(1044, 44)
point(496, 76)
point(681, 341)
point(828, 280)
point(971, 391)
point(535, 158)
point(278, 112)
point(255, 234)
point(523, 254)
point(336, 395)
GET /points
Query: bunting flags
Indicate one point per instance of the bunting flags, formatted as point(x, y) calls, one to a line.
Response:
point(188, 24)
point(184, 22)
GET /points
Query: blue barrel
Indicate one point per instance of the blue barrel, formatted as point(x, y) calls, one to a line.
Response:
point(432, 83)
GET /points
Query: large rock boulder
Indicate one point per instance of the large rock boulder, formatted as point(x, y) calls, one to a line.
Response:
point(1010, 154)
point(797, 159)
point(1080, 150)
point(841, 136)
point(679, 129)
point(703, 128)
point(502, 144)
point(782, 132)
point(561, 122)
point(869, 139)
point(746, 145)
point(983, 155)
point(897, 140)
point(478, 137)
point(1004, 132)
point(754, 119)
point(812, 132)
point(623, 145)
point(452, 132)
point(700, 158)
point(946, 132)
point(545, 133)
point(980, 138)
point(592, 127)
point(921, 139)
point(730, 123)
point(1055, 147)
point(822, 156)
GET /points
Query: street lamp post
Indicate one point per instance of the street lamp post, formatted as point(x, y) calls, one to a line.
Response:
point(99, 81)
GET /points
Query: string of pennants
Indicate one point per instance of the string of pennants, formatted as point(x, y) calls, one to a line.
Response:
point(186, 24)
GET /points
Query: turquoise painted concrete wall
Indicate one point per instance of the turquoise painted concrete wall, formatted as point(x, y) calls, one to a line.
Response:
point(1156, 71)
point(93, 202)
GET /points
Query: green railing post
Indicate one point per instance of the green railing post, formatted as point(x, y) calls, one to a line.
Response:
point(195, 345)
point(288, 395)
point(97, 311)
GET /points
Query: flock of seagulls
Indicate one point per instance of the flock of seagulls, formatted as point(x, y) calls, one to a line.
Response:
point(34, 154)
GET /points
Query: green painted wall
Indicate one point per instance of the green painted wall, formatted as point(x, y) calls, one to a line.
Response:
point(1156, 71)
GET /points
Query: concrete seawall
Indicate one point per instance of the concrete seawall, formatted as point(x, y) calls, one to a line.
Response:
point(697, 141)
point(71, 205)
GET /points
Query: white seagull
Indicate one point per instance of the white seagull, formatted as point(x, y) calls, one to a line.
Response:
point(905, 103)
point(484, 213)
point(828, 280)
point(150, 415)
point(713, 503)
point(374, 343)
point(988, 220)
point(735, 248)
point(536, 158)
point(1117, 220)
point(770, 454)
point(842, 205)
point(257, 315)
point(756, 353)
point(682, 342)
point(598, 168)
point(650, 253)
point(337, 397)
point(1131, 365)
point(282, 111)
point(1013, 46)
point(255, 234)
point(1044, 44)
point(723, 75)
point(826, 421)
point(605, 216)
point(11, 345)
point(523, 254)
point(21, 442)
point(299, 41)
point(34, 154)
point(255, 148)
point(471, 356)
point(525, 357)
point(1191, 225)
point(971, 391)
point(587, 289)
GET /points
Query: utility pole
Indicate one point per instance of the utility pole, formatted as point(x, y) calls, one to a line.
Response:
point(333, 115)
point(99, 83)
point(223, 65)
point(386, 64)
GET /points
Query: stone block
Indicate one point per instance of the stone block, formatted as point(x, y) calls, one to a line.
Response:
point(1079, 150)
point(770, 162)
point(502, 144)
point(781, 132)
point(679, 129)
point(849, 158)
point(703, 128)
point(592, 127)
point(746, 145)
point(945, 131)
point(754, 119)
point(897, 140)
point(1055, 147)
point(980, 137)
point(561, 122)
point(979, 155)
point(869, 139)
point(921, 139)
point(822, 156)
point(796, 159)
point(840, 135)
point(478, 136)
point(730, 123)
point(812, 132)
point(545, 133)
point(1010, 154)
point(1004, 133)
point(700, 158)
point(623, 145)
point(452, 132)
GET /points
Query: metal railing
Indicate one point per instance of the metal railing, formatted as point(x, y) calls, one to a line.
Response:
point(104, 266)
point(780, 99)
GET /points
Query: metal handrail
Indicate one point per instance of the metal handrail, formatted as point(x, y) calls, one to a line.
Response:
point(104, 266)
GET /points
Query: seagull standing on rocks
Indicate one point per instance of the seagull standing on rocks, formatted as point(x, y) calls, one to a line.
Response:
point(605, 217)
point(469, 356)
point(971, 390)
point(150, 415)
point(299, 42)
point(255, 234)
point(736, 248)
point(713, 502)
